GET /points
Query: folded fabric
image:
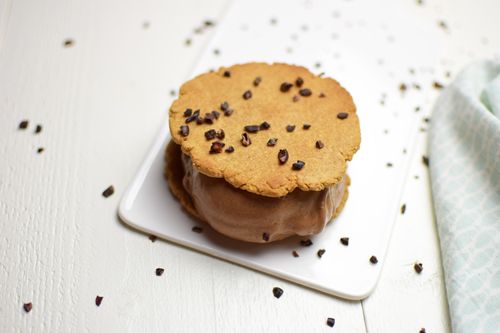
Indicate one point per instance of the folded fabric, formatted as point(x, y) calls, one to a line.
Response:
point(464, 148)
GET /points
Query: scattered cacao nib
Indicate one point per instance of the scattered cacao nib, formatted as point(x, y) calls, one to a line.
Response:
point(216, 147)
point(416, 86)
point(322, 95)
point(422, 330)
point(209, 23)
point(173, 92)
point(306, 242)
point(40, 150)
point(27, 307)
point(437, 85)
point(305, 92)
point(277, 292)
point(98, 300)
point(321, 252)
point(265, 236)
point(220, 134)
point(188, 112)
point(193, 117)
point(321, 74)
point(23, 124)
point(224, 106)
point(290, 128)
point(298, 165)
point(418, 267)
point(299, 82)
point(184, 130)
point(227, 74)
point(295, 98)
point(228, 112)
point(373, 260)
point(285, 86)
point(330, 322)
point(403, 87)
point(245, 140)
point(425, 160)
point(216, 114)
point(283, 156)
point(306, 126)
point(68, 42)
point(442, 24)
point(188, 41)
point(109, 191)
point(342, 115)
point(210, 134)
point(252, 128)
point(197, 229)
point(159, 271)
point(229, 149)
point(264, 126)
point(152, 238)
point(403, 209)
point(216, 51)
point(389, 165)
point(295, 254)
point(199, 121)
point(257, 81)
point(247, 95)
point(345, 241)
point(319, 144)
point(272, 142)
point(38, 129)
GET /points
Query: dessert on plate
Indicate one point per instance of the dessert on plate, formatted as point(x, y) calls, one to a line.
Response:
point(259, 151)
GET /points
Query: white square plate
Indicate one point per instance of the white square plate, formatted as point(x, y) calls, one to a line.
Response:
point(343, 271)
point(373, 203)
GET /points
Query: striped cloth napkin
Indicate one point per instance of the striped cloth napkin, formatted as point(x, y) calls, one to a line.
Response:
point(464, 148)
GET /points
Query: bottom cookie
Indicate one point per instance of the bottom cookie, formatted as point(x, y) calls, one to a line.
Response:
point(246, 216)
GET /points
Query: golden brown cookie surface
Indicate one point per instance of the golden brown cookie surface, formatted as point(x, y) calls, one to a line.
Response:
point(267, 102)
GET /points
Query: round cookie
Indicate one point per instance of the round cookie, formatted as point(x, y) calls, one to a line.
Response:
point(174, 173)
point(226, 121)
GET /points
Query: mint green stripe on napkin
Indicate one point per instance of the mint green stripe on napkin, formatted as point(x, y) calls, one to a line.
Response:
point(464, 147)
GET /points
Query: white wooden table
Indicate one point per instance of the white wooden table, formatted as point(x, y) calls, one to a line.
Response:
point(100, 101)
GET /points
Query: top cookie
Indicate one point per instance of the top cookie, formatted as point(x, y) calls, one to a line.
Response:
point(267, 129)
